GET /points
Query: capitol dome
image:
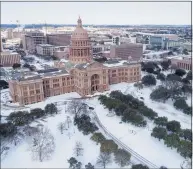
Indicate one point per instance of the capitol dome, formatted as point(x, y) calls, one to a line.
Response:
point(79, 33)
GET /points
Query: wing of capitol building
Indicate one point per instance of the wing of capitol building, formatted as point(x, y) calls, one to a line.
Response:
point(81, 74)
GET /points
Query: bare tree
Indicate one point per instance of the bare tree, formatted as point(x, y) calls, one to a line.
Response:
point(42, 145)
point(68, 122)
point(76, 107)
point(78, 150)
point(16, 138)
point(104, 159)
point(122, 157)
point(61, 127)
point(28, 130)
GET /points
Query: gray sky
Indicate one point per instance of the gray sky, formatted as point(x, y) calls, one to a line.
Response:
point(172, 13)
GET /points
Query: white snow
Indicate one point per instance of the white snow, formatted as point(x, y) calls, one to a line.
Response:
point(140, 140)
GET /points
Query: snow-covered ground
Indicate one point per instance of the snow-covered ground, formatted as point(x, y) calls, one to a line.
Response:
point(20, 157)
point(140, 140)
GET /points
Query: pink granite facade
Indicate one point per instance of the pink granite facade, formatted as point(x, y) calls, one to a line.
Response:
point(124, 51)
point(182, 62)
point(81, 74)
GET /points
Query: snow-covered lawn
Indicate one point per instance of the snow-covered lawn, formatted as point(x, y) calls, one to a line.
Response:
point(65, 143)
point(139, 140)
point(20, 157)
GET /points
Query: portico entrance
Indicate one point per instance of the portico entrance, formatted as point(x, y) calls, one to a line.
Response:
point(95, 82)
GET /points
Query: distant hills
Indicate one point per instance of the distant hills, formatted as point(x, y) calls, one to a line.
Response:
point(95, 26)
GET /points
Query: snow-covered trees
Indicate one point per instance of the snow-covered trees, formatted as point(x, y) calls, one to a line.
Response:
point(74, 163)
point(161, 121)
point(173, 126)
point(78, 150)
point(159, 132)
point(84, 124)
point(139, 166)
point(89, 166)
point(98, 137)
point(42, 145)
point(122, 157)
point(104, 159)
point(51, 109)
point(148, 80)
point(108, 146)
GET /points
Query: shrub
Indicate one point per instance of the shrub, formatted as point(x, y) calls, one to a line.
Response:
point(120, 109)
point(172, 140)
point(189, 75)
point(98, 137)
point(108, 146)
point(186, 134)
point(139, 166)
point(133, 117)
point(159, 132)
point(160, 94)
point(148, 80)
point(19, 118)
point(173, 126)
point(180, 72)
point(188, 110)
point(7, 130)
point(185, 81)
point(51, 109)
point(180, 104)
point(84, 124)
point(161, 121)
point(147, 112)
point(165, 64)
point(173, 78)
point(161, 76)
point(185, 149)
point(37, 113)
point(16, 65)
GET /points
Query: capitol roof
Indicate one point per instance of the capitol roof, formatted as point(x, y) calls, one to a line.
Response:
point(79, 32)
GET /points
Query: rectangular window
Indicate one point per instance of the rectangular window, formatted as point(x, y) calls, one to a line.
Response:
point(25, 101)
point(25, 88)
point(37, 85)
point(25, 93)
point(37, 91)
point(31, 92)
point(31, 86)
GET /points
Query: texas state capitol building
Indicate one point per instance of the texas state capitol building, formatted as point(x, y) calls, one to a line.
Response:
point(81, 74)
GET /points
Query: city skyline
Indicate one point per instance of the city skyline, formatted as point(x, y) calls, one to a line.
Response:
point(97, 13)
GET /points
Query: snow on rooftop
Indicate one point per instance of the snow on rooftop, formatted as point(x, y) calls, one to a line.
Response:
point(156, 53)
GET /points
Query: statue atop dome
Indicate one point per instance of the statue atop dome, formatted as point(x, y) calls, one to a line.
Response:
point(79, 22)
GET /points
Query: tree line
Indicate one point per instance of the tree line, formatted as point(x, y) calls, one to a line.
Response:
point(173, 136)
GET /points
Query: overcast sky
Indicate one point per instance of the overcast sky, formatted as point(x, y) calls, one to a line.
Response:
point(172, 13)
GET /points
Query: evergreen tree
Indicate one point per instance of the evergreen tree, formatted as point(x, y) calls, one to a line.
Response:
point(172, 141)
point(159, 132)
point(173, 126)
point(161, 121)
